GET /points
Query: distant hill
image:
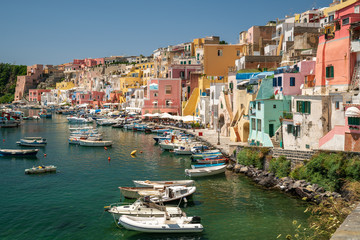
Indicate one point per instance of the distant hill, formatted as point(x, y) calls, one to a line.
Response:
point(8, 75)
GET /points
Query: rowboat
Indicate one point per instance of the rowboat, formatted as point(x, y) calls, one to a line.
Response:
point(40, 169)
point(148, 183)
point(212, 160)
point(142, 208)
point(206, 165)
point(32, 142)
point(162, 224)
point(18, 152)
point(79, 120)
point(91, 143)
point(206, 171)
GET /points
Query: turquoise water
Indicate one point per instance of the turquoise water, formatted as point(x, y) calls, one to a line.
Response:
point(70, 204)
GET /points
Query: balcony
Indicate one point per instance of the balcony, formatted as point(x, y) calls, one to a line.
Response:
point(288, 115)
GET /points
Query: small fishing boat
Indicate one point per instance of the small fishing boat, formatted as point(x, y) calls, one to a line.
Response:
point(32, 142)
point(79, 120)
point(212, 160)
point(206, 165)
point(148, 183)
point(40, 169)
point(18, 152)
point(76, 140)
point(75, 129)
point(8, 123)
point(170, 194)
point(143, 208)
point(206, 155)
point(45, 114)
point(119, 125)
point(162, 225)
point(206, 171)
point(183, 150)
point(105, 122)
point(92, 143)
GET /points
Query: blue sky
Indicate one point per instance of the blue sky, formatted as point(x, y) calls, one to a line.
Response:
point(55, 32)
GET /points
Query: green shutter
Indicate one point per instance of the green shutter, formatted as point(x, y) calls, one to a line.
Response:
point(302, 106)
point(332, 71)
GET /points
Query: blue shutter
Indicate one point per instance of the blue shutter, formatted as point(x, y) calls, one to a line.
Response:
point(280, 81)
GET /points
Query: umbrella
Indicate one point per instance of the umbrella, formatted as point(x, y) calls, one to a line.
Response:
point(165, 115)
point(190, 118)
point(148, 115)
point(132, 113)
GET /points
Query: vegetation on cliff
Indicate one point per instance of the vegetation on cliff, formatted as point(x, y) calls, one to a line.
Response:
point(8, 76)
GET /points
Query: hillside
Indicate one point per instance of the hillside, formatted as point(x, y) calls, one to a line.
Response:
point(8, 75)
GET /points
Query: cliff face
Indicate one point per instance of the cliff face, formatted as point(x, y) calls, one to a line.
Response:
point(8, 75)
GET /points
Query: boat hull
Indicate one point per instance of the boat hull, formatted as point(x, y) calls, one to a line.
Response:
point(17, 152)
point(204, 172)
point(146, 183)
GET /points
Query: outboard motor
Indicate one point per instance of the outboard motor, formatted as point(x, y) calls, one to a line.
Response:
point(196, 219)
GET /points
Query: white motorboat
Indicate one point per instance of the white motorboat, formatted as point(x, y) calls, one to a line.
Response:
point(133, 192)
point(74, 129)
point(206, 171)
point(183, 150)
point(40, 169)
point(170, 194)
point(18, 152)
point(141, 208)
point(106, 122)
point(162, 225)
point(76, 139)
point(91, 143)
point(148, 183)
point(79, 120)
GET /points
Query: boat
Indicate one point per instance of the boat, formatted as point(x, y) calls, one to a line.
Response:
point(206, 171)
point(212, 160)
point(79, 120)
point(8, 122)
point(170, 194)
point(40, 169)
point(92, 143)
point(162, 224)
point(75, 129)
point(133, 192)
point(45, 114)
point(18, 152)
point(105, 122)
point(206, 155)
point(76, 140)
point(148, 183)
point(183, 150)
point(206, 165)
point(32, 142)
point(118, 125)
point(143, 208)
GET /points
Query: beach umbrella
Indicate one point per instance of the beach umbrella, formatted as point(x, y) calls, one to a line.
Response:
point(165, 115)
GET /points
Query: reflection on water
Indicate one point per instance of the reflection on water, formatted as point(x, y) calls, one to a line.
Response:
point(69, 204)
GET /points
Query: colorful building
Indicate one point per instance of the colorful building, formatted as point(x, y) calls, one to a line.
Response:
point(35, 94)
point(30, 80)
point(163, 95)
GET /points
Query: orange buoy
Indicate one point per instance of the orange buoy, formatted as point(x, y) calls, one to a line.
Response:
point(109, 159)
point(105, 148)
point(140, 151)
point(44, 154)
point(3, 140)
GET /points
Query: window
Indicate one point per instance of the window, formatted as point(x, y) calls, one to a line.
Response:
point(253, 126)
point(279, 81)
point(303, 107)
point(353, 121)
point(331, 18)
point(259, 125)
point(357, 9)
point(274, 106)
point(289, 128)
point(274, 82)
point(345, 21)
point(189, 62)
point(337, 105)
point(197, 56)
point(238, 53)
point(155, 94)
point(220, 53)
point(330, 72)
point(292, 82)
point(259, 106)
point(168, 103)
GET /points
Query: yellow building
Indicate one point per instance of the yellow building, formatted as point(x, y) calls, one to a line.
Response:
point(343, 3)
point(132, 80)
point(64, 85)
point(218, 58)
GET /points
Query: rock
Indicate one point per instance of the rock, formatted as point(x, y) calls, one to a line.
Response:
point(244, 169)
point(297, 184)
point(302, 193)
point(267, 182)
point(237, 168)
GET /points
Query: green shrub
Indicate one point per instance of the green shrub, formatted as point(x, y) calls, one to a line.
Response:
point(352, 169)
point(298, 173)
point(251, 157)
point(280, 166)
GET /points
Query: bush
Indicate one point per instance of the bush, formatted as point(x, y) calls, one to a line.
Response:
point(251, 157)
point(352, 169)
point(280, 166)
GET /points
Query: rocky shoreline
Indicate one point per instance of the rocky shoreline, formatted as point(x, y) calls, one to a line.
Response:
point(300, 188)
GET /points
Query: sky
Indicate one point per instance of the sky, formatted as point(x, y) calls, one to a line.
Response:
point(56, 32)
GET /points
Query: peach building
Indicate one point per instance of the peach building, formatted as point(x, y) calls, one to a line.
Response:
point(30, 80)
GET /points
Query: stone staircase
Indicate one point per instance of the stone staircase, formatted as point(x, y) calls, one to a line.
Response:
point(295, 156)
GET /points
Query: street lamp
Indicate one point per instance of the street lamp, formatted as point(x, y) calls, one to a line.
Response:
point(218, 130)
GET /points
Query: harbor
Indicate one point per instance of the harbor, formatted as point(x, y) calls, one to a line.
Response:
point(70, 203)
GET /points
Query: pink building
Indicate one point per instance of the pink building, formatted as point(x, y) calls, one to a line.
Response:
point(183, 71)
point(88, 62)
point(35, 94)
point(288, 80)
point(163, 95)
point(88, 97)
point(338, 50)
point(30, 80)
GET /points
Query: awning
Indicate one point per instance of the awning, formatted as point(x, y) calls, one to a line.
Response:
point(352, 112)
